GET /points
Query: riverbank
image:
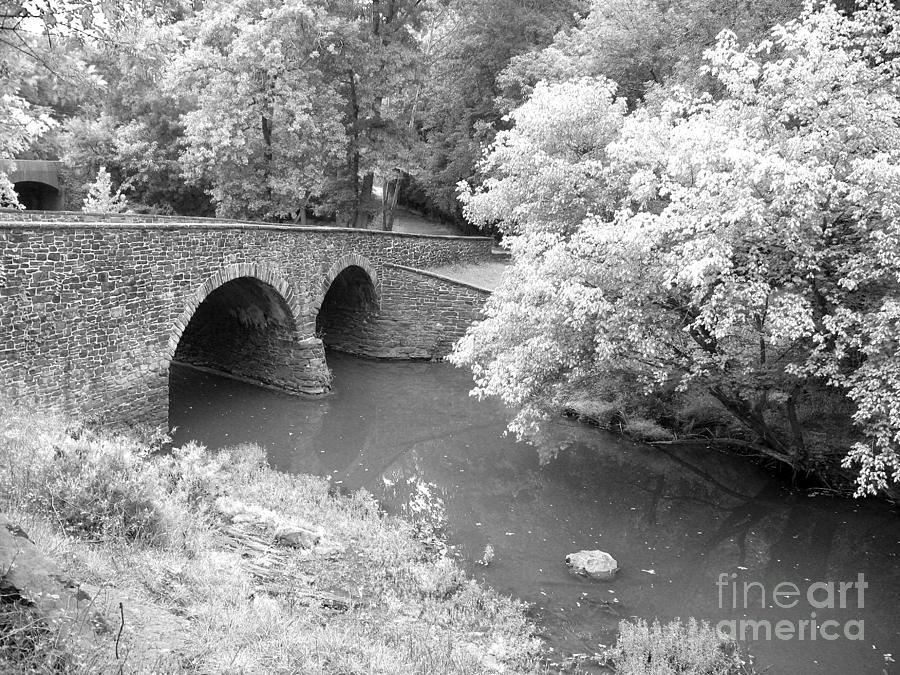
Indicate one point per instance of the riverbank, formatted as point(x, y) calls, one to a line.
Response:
point(701, 422)
point(115, 557)
point(224, 565)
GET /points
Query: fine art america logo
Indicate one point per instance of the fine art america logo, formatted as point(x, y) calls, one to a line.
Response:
point(752, 596)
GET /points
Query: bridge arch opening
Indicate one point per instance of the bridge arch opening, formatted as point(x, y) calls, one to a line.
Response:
point(350, 303)
point(247, 329)
point(37, 196)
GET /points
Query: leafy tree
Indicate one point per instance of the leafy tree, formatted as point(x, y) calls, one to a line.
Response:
point(102, 198)
point(466, 45)
point(379, 69)
point(744, 247)
point(23, 59)
point(266, 132)
point(300, 105)
point(20, 126)
point(125, 121)
point(643, 43)
point(8, 197)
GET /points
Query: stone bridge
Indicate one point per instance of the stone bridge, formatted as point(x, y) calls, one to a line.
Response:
point(93, 313)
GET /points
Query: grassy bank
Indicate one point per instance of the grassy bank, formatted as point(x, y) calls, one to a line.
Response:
point(191, 538)
point(199, 562)
point(694, 417)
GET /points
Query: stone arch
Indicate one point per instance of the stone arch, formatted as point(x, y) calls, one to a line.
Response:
point(345, 311)
point(259, 272)
point(339, 265)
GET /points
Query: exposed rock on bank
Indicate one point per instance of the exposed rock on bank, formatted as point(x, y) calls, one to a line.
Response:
point(82, 618)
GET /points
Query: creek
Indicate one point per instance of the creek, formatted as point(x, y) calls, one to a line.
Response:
point(677, 519)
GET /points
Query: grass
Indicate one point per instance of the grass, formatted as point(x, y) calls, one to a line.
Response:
point(675, 648)
point(173, 533)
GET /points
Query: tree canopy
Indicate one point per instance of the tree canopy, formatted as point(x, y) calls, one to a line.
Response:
point(742, 244)
point(336, 109)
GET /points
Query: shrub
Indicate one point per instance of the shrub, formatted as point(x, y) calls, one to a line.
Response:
point(92, 486)
point(675, 648)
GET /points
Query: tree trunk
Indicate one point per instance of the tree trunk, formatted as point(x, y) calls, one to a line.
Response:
point(353, 152)
point(363, 202)
point(796, 429)
point(266, 125)
point(389, 195)
point(753, 419)
point(301, 212)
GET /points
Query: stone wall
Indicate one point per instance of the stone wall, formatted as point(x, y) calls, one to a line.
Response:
point(91, 314)
point(41, 216)
point(421, 316)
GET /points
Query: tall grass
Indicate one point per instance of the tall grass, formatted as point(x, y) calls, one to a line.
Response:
point(675, 648)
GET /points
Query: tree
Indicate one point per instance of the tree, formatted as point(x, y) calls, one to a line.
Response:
point(126, 121)
point(20, 126)
point(266, 132)
point(93, 67)
point(21, 122)
point(642, 44)
point(300, 105)
point(466, 45)
point(379, 68)
point(101, 198)
point(744, 246)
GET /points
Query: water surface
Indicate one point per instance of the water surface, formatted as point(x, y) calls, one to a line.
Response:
point(674, 519)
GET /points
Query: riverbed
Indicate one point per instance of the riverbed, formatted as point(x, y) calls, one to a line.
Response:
point(690, 527)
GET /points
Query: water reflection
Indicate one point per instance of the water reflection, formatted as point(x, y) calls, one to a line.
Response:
point(675, 519)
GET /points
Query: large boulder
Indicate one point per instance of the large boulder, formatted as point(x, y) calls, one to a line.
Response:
point(593, 564)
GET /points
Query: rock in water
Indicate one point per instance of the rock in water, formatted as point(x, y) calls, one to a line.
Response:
point(594, 564)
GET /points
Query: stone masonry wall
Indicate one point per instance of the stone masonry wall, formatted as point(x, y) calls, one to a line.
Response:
point(91, 314)
point(421, 316)
point(39, 216)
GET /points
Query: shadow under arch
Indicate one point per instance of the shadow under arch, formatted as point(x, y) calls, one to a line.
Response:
point(348, 303)
point(38, 196)
point(247, 322)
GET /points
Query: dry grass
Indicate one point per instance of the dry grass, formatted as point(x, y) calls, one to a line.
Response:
point(162, 532)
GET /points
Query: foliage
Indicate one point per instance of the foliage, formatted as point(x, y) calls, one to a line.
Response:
point(101, 198)
point(675, 648)
point(266, 132)
point(28, 645)
point(125, 120)
point(742, 246)
point(641, 44)
point(466, 45)
point(9, 199)
point(20, 125)
point(299, 105)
